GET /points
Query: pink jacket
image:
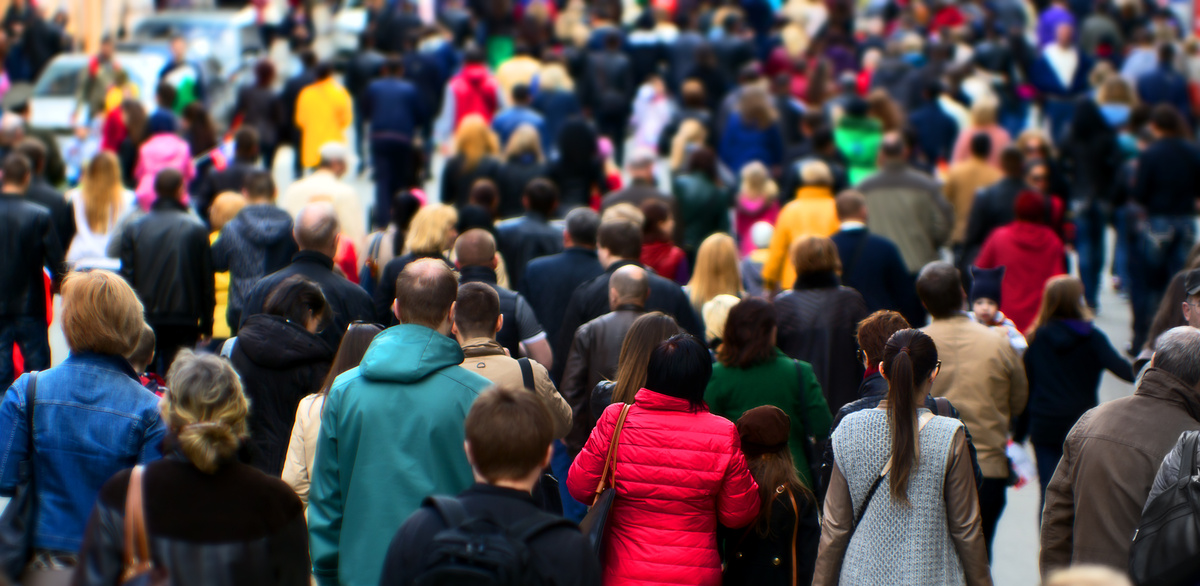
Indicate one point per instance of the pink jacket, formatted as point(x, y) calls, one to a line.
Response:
point(161, 151)
point(677, 474)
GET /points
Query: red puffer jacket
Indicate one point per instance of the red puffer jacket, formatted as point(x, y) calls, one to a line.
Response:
point(677, 474)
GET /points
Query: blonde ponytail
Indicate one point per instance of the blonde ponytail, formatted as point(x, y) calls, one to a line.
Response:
point(206, 409)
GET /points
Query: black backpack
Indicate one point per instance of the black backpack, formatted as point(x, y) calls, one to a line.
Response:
point(1166, 545)
point(477, 551)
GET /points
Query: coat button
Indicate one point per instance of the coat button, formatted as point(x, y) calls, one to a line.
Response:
point(776, 562)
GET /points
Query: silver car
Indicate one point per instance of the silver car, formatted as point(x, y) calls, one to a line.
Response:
point(53, 98)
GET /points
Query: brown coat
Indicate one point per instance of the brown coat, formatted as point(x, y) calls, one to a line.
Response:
point(1094, 502)
point(487, 358)
point(963, 181)
point(984, 378)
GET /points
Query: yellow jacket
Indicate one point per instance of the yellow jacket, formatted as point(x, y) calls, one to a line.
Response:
point(812, 213)
point(323, 113)
point(220, 323)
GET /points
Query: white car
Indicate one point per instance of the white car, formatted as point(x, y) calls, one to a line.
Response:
point(53, 98)
point(348, 25)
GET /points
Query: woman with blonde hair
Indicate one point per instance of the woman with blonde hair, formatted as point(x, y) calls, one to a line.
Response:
point(1067, 355)
point(691, 135)
point(717, 271)
point(91, 417)
point(752, 132)
point(99, 202)
point(983, 121)
point(476, 156)
point(523, 162)
point(205, 517)
point(430, 234)
point(757, 201)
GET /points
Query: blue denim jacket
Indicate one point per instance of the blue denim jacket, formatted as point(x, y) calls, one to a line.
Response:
point(92, 419)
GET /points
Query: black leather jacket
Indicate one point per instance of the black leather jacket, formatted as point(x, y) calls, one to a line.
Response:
point(28, 242)
point(166, 258)
point(236, 527)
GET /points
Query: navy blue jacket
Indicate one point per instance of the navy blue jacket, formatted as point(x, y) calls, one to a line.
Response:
point(1168, 178)
point(523, 239)
point(872, 265)
point(936, 132)
point(1165, 86)
point(556, 107)
point(394, 109)
point(549, 282)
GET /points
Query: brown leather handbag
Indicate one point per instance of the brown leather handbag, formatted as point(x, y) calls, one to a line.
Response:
point(597, 518)
point(139, 567)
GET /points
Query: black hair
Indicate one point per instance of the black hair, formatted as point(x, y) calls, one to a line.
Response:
point(168, 184)
point(405, 205)
point(981, 145)
point(16, 169)
point(520, 93)
point(680, 367)
point(245, 143)
point(541, 196)
point(582, 225)
point(295, 299)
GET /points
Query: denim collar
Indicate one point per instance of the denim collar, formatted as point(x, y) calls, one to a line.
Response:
point(108, 361)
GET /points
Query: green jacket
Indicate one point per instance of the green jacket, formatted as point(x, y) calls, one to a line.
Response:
point(703, 208)
point(779, 382)
point(858, 140)
point(391, 435)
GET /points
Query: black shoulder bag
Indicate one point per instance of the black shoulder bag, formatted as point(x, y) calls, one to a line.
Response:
point(18, 520)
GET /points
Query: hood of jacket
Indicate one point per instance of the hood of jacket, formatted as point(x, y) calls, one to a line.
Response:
point(409, 353)
point(273, 342)
point(1031, 238)
point(265, 225)
point(814, 192)
point(163, 150)
point(1065, 334)
point(476, 75)
point(859, 126)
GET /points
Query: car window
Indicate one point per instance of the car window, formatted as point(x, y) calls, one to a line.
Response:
point(62, 80)
point(163, 30)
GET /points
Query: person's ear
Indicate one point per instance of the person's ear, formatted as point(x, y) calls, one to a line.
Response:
point(885, 377)
point(396, 310)
point(467, 449)
point(499, 322)
point(549, 456)
point(1187, 310)
point(495, 261)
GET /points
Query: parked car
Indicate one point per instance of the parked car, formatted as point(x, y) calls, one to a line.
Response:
point(53, 98)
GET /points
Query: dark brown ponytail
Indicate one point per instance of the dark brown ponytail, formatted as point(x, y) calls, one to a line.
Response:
point(908, 361)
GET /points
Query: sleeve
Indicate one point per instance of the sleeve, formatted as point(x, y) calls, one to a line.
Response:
point(816, 409)
point(301, 108)
point(976, 223)
point(16, 449)
point(220, 252)
point(151, 449)
point(385, 293)
point(987, 256)
point(528, 328)
point(1018, 396)
point(558, 405)
point(572, 319)
point(126, 253)
point(55, 257)
point(208, 284)
point(449, 180)
point(101, 558)
point(1144, 178)
point(1168, 472)
point(942, 220)
point(1058, 513)
point(403, 561)
point(737, 501)
point(585, 471)
point(1112, 360)
point(326, 498)
point(574, 378)
point(962, 514)
point(836, 528)
point(777, 253)
point(295, 464)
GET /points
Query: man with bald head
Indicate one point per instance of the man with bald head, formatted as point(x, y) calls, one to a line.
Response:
point(475, 254)
point(391, 431)
point(316, 233)
point(597, 346)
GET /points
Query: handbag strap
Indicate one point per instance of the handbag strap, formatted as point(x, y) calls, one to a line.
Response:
point(610, 458)
point(137, 543)
point(795, 533)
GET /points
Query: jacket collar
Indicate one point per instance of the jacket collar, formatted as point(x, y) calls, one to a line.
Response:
point(108, 361)
point(313, 257)
point(650, 400)
point(821, 280)
point(482, 489)
point(629, 307)
point(623, 262)
point(167, 205)
point(477, 275)
point(536, 217)
point(581, 251)
point(1164, 386)
point(476, 347)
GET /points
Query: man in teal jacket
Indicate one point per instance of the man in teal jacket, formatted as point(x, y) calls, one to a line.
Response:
point(392, 432)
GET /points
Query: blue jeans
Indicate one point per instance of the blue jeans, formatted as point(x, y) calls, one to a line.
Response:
point(1089, 243)
point(30, 334)
point(395, 164)
point(560, 462)
point(1047, 461)
point(1160, 248)
point(1120, 266)
point(1059, 113)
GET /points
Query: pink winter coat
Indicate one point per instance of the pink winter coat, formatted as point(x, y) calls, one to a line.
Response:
point(161, 151)
point(677, 474)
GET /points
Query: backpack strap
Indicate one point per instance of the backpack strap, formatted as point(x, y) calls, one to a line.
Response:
point(943, 406)
point(451, 511)
point(527, 374)
point(1187, 460)
point(530, 527)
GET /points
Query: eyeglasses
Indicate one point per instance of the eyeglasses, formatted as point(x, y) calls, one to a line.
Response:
point(937, 368)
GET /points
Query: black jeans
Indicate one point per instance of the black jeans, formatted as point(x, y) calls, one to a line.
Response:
point(168, 341)
point(29, 333)
point(395, 164)
point(993, 495)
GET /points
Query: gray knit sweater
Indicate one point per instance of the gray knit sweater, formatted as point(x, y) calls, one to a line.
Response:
point(897, 543)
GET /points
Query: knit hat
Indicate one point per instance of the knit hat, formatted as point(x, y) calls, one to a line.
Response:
point(1030, 207)
point(764, 430)
point(986, 283)
point(160, 122)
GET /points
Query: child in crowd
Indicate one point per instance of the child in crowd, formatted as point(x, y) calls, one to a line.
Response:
point(141, 358)
point(651, 113)
point(985, 305)
point(224, 208)
point(758, 201)
point(752, 265)
point(80, 149)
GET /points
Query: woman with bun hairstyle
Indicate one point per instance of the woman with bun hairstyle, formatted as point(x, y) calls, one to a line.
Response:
point(209, 519)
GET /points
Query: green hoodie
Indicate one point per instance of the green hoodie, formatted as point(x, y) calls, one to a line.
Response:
point(391, 434)
point(858, 139)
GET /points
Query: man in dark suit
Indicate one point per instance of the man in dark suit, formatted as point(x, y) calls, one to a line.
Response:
point(42, 193)
point(531, 236)
point(620, 245)
point(549, 281)
point(316, 233)
point(871, 264)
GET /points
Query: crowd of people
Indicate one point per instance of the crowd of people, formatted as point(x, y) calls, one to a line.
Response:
point(754, 292)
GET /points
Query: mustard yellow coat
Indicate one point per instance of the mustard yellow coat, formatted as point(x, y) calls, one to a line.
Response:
point(812, 213)
point(323, 113)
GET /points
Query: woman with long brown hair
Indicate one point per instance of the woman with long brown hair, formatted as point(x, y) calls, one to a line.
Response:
point(902, 486)
point(1067, 355)
point(644, 335)
point(99, 202)
point(476, 156)
point(298, 464)
point(752, 132)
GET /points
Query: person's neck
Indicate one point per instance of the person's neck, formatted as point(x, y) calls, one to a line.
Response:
point(13, 189)
point(522, 484)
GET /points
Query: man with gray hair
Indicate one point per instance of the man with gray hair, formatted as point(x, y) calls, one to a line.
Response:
point(316, 232)
point(1094, 501)
point(326, 184)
